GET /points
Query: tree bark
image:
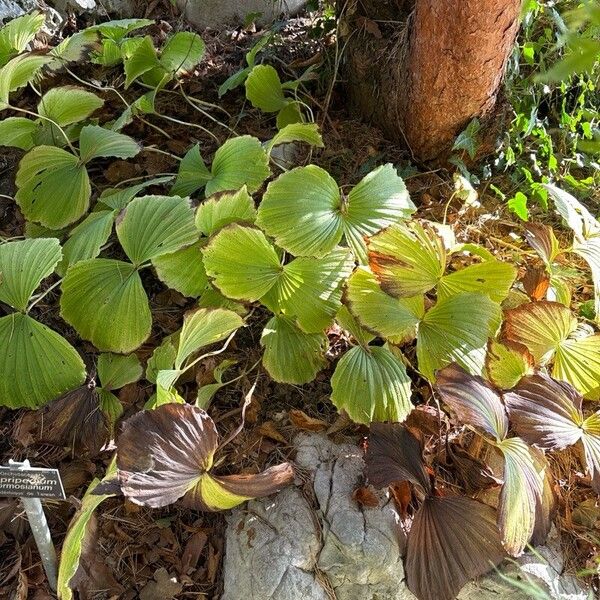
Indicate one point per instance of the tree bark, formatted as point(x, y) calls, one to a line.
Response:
point(422, 69)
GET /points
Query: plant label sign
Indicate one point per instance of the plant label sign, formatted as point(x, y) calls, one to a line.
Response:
point(30, 482)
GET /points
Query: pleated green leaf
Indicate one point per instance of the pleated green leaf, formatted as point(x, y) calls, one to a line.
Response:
point(371, 385)
point(183, 270)
point(141, 60)
point(104, 300)
point(17, 132)
point(491, 277)
point(308, 133)
point(263, 89)
point(506, 363)
point(99, 142)
point(17, 33)
point(311, 289)
point(457, 330)
point(182, 52)
point(68, 104)
point(395, 319)
point(291, 355)
point(151, 226)
point(193, 173)
point(408, 260)
point(203, 327)
point(224, 208)
point(577, 361)
point(53, 188)
point(36, 364)
point(86, 240)
point(23, 265)
point(239, 161)
point(301, 209)
point(242, 262)
point(116, 370)
point(18, 72)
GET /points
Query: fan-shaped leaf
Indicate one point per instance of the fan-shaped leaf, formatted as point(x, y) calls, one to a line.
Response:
point(292, 356)
point(394, 454)
point(69, 104)
point(98, 142)
point(490, 277)
point(578, 362)
point(520, 495)
point(116, 371)
point(18, 72)
point(239, 161)
point(473, 400)
point(310, 289)
point(183, 270)
point(152, 226)
point(36, 364)
point(182, 52)
point(17, 33)
point(141, 60)
point(457, 330)
point(86, 240)
point(23, 265)
point(591, 446)
point(243, 263)
point(225, 208)
point(408, 260)
point(193, 173)
point(53, 187)
point(103, 299)
point(17, 132)
point(263, 89)
point(371, 385)
point(307, 133)
point(204, 327)
point(506, 363)
point(395, 319)
point(452, 540)
point(542, 239)
point(162, 453)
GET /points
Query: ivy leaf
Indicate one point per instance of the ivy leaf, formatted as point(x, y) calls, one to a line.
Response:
point(53, 187)
point(242, 262)
point(36, 364)
point(310, 289)
point(263, 89)
point(183, 270)
point(507, 362)
point(97, 142)
point(239, 161)
point(473, 400)
point(371, 384)
point(68, 104)
point(303, 210)
point(17, 132)
point(23, 266)
point(291, 355)
point(99, 296)
point(151, 226)
point(457, 330)
point(116, 371)
point(518, 205)
point(408, 260)
point(202, 328)
point(395, 319)
point(467, 139)
point(225, 208)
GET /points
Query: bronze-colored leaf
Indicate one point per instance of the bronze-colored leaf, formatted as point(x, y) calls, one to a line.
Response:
point(545, 412)
point(536, 282)
point(546, 505)
point(473, 473)
point(394, 454)
point(365, 496)
point(542, 239)
point(473, 400)
point(452, 540)
point(162, 453)
point(75, 420)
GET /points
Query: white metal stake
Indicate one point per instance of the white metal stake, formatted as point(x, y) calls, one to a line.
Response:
point(39, 527)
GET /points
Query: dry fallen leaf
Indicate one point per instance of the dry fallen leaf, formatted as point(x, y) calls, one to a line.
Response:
point(269, 430)
point(365, 496)
point(302, 421)
point(164, 587)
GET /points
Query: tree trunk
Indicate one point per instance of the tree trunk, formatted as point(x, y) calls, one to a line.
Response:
point(422, 69)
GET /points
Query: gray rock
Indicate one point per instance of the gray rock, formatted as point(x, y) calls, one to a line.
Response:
point(11, 9)
point(216, 13)
point(316, 543)
point(117, 8)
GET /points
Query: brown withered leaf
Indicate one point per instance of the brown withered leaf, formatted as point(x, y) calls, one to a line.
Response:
point(402, 495)
point(302, 421)
point(472, 399)
point(164, 587)
point(192, 551)
point(365, 496)
point(161, 453)
point(426, 419)
point(394, 454)
point(369, 25)
point(451, 541)
point(76, 420)
point(536, 282)
point(473, 473)
point(269, 430)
